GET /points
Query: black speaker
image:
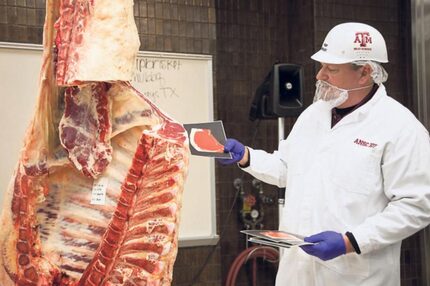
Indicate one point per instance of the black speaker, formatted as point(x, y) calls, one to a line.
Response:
point(280, 94)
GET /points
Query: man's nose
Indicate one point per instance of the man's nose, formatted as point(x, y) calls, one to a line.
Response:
point(321, 75)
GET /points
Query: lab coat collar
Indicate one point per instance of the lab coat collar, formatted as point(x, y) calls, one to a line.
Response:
point(360, 113)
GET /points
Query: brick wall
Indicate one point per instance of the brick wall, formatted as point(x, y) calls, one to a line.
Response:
point(22, 20)
point(251, 37)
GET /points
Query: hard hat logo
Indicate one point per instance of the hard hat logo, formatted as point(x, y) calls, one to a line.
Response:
point(363, 38)
point(324, 47)
point(350, 42)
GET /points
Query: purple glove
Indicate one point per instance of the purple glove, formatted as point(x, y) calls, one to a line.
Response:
point(236, 149)
point(328, 245)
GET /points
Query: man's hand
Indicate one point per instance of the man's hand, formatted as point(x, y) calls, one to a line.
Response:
point(236, 149)
point(327, 245)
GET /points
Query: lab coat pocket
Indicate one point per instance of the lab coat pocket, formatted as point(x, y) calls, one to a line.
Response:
point(352, 265)
point(354, 176)
point(346, 210)
point(355, 168)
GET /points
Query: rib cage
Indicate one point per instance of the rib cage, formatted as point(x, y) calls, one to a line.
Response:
point(147, 251)
point(76, 241)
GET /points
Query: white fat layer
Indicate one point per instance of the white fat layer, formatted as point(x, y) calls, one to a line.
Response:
point(110, 43)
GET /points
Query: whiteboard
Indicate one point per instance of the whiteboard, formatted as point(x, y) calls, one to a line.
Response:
point(179, 84)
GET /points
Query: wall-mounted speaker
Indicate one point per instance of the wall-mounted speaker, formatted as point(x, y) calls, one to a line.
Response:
point(280, 94)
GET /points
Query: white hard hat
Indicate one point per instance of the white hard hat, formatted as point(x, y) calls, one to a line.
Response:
point(349, 42)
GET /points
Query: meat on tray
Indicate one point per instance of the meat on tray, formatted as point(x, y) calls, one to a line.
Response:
point(93, 135)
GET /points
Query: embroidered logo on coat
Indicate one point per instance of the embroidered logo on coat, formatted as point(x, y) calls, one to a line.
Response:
point(365, 143)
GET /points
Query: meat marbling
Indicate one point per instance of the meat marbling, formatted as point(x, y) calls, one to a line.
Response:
point(92, 126)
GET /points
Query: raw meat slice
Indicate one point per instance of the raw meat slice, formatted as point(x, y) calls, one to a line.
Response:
point(108, 140)
point(203, 141)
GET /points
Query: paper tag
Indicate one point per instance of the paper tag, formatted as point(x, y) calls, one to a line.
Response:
point(98, 194)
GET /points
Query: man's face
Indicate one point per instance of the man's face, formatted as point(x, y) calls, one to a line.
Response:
point(340, 75)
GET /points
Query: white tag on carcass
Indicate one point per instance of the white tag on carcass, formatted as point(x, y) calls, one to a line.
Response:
point(98, 194)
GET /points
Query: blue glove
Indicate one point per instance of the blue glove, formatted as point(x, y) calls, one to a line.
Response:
point(236, 149)
point(328, 245)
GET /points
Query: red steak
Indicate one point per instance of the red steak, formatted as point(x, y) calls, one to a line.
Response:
point(202, 140)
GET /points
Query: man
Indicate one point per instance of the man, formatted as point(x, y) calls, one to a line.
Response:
point(356, 167)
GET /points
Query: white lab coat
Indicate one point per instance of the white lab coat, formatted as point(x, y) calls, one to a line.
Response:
point(369, 174)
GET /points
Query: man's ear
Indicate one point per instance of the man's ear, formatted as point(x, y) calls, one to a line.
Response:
point(366, 72)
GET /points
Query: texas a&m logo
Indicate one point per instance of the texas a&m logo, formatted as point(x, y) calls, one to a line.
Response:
point(365, 143)
point(362, 38)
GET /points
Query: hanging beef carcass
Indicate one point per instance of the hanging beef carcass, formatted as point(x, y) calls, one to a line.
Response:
point(96, 194)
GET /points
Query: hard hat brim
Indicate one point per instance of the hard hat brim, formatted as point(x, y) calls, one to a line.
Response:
point(324, 57)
